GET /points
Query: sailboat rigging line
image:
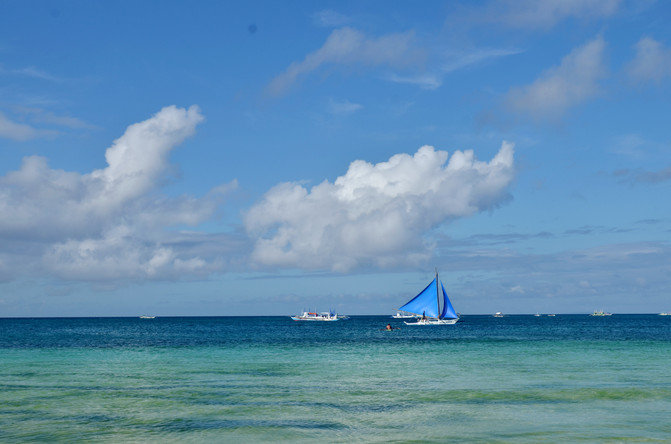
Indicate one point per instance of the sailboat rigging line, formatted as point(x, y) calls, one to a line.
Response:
point(437, 294)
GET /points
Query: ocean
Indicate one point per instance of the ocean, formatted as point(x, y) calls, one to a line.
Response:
point(253, 379)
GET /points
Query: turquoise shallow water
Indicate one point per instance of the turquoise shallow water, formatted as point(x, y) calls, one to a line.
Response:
point(512, 379)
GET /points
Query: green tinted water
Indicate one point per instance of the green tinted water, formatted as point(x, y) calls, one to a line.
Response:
point(364, 385)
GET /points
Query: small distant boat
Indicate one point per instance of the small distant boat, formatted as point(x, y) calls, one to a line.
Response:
point(498, 314)
point(325, 316)
point(537, 314)
point(551, 315)
point(427, 306)
point(147, 317)
point(601, 313)
point(668, 313)
point(404, 315)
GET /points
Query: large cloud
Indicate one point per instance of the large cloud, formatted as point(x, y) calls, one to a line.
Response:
point(375, 214)
point(575, 80)
point(108, 224)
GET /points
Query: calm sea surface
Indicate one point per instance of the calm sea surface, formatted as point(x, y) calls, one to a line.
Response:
point(511, 379)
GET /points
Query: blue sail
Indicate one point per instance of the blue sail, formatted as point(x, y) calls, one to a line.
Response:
point(426, 302)
point(448, 310)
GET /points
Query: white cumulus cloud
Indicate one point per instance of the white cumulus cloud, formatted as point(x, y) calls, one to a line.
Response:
point(111, 223)
point(375, 214)
point(575, 80)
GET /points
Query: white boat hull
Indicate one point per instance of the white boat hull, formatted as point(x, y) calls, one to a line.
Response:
point(321, 317)
point(299, 318)
point(433, 322)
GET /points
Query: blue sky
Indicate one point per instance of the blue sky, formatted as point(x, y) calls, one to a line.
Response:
point(242, 158)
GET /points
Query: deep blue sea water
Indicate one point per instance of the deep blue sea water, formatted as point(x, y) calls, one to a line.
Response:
point(249, 379)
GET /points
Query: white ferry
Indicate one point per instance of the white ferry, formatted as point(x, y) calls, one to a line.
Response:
point(314, 316)
point(404, 315)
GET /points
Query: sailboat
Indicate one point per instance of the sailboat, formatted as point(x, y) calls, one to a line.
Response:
point(427, 304)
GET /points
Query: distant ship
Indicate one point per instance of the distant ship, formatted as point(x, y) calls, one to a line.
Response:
point(325, 316)
point(147, 317)
point(601, 313)
point(498, 314)
point(404, 315)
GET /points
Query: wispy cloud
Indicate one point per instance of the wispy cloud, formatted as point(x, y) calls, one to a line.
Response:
point(460, 60)
point(501, 238)
point(343, 107)
point(31, 72)
point(330, 19)
point(20, 131)
point(516, 238)
point(424, 81)
point(590, 230)
point(49, 117)
point(33, 123)
point(640, 176)
point(574, 81)
point(453, 61)
point(630, 145)
point(545, 14)
point(652, 62)
point(36, 73)
point(566, 281)
point(400, 51)
point(43, 116)
point(348, 46)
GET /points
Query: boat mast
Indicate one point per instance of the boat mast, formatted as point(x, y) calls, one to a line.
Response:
point(437, 295)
